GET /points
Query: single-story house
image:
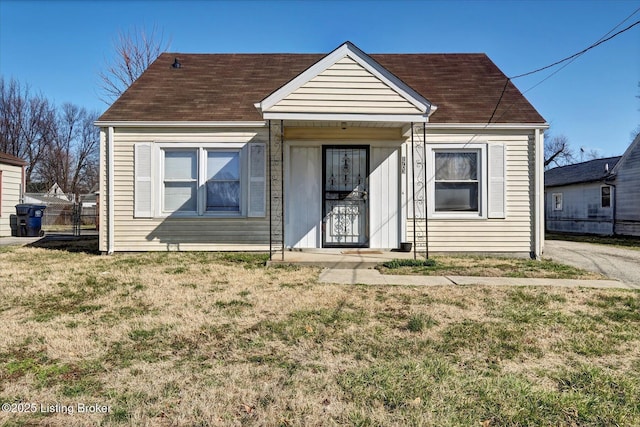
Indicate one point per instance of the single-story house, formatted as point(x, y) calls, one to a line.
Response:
point(308, 151)
point(11, 187)
point(600, 196)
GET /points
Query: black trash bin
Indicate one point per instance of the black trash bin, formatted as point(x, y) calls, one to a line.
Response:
point(30, 220)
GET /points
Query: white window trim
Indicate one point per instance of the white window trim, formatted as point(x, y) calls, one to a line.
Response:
point(201, 195)
point(481, 149)
point(553, 202)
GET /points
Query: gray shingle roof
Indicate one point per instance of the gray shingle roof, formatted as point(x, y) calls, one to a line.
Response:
point(593, 170)
point(224, 87)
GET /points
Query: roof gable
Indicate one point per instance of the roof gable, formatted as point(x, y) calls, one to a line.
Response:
point(628, 153)
point(346, 82)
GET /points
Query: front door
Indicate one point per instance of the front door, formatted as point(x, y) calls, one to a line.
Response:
point(345, 187)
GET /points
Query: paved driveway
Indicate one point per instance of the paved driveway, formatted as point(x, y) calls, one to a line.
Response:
point(615, 263)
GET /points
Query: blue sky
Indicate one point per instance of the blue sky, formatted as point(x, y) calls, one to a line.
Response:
point(58, 47)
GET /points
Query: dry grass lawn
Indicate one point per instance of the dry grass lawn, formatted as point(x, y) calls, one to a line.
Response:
point(199, 339)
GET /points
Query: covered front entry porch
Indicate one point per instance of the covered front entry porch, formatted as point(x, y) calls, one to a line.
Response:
point(341, 189)
point(337, 160)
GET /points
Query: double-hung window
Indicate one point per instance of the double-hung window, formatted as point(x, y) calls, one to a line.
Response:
point(223, 181)
point(180, 181)
point(205, 179)
point(556, 200)
point(201, 181)
point(457, 181)
point(466, 180)
point(605, 196)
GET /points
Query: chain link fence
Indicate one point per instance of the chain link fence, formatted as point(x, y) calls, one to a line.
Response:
point(66, 215)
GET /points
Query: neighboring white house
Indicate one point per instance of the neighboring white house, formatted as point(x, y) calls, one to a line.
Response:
point(11, 187)
point(600, 196)
point(300, 151)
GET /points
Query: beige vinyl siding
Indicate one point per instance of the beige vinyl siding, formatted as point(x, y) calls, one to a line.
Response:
point(179, 233)
point(345, 87)
point(514, 234)
point(11, 183)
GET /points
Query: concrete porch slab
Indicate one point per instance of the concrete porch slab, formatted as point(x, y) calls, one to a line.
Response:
point(339, 258)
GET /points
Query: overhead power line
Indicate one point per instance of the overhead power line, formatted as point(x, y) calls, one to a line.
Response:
point(566, 64)
point(596, 44)
point(570, 58)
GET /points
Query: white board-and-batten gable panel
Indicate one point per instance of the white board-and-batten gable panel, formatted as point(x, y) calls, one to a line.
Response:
point(346, 83)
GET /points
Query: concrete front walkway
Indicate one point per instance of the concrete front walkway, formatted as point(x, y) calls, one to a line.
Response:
point(18, 241)
point(373, 277)
point(356, 266)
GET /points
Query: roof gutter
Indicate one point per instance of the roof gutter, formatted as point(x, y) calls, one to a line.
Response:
point(493, 126)
point(539, 195)
point(146, 124)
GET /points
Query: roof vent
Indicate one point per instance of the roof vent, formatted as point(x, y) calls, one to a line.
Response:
point(176, 63)
point(606, 168)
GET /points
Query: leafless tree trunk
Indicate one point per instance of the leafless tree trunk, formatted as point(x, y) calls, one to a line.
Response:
point(135, 50)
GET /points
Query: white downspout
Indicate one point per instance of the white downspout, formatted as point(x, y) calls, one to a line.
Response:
point(539, 194)
point(110, 197)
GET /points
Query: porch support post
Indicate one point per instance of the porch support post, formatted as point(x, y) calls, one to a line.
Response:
point(276, 188)
point(426, 211)
point(413, 198)
point(270, 195)
point(282, 185)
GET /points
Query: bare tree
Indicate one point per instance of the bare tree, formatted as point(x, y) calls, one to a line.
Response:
point(59, 146)
point(27, 124)
point(558, 152)
point(135, 50)
point(71, 158)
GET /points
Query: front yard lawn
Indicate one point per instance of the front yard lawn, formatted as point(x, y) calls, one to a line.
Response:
point(207, 339)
